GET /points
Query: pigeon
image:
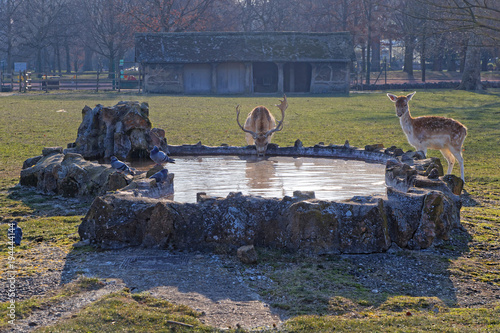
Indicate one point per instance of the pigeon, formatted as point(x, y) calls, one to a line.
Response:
point(15, 233)
point(120, 166)
point(160, 176)
point(160, 157)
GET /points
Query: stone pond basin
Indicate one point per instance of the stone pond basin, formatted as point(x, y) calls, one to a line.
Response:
point(420, 209)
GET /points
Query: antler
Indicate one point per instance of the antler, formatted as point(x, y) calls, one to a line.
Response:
point(238, 121)
point(282, 106)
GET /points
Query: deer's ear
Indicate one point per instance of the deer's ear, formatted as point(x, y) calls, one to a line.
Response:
point(410, 95)
point(392, 97)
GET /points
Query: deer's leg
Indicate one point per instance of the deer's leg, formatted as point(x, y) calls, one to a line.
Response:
point(449, 158)
point(460, 159)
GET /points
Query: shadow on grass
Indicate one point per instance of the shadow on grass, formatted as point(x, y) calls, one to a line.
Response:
point(28, 199)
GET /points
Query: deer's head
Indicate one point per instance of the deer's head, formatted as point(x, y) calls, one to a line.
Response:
point(401, 103)
point(262, 138)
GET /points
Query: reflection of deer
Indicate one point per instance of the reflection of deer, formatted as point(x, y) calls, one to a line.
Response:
point(444, 134)
point(260, 174)
point(261, 125)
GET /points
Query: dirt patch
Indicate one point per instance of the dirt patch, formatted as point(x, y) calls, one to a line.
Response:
point(49, 315)
point(200, 281)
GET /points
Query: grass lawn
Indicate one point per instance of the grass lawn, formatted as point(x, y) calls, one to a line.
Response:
point(31, 121)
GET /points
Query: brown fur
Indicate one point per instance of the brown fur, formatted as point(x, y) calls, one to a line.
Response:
point(260, 120)
point(260, 125)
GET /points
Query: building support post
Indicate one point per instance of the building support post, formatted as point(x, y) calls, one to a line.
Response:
point(292, 77)
point(213, 88)
point(281, 80)
point(248, 78)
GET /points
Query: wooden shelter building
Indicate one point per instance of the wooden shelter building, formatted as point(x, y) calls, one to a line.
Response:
point(245, 62)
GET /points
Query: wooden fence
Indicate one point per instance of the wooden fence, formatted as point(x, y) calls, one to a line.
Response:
point(27, 81)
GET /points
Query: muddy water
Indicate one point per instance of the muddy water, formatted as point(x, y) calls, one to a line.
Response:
point(330, 179)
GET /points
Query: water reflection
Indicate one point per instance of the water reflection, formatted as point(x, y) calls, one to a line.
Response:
point(260, 173)
point(330, 179)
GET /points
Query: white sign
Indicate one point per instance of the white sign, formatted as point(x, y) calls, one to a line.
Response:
point(20, 66)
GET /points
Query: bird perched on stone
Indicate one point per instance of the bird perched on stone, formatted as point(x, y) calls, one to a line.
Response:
point(16, 233)
point(161, 176)
point(120, 166)
point(159, 157)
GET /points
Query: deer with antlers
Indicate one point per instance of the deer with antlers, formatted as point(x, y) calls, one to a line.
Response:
point(261, 125)
point(440, 133)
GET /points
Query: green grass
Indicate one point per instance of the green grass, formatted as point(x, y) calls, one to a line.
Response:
point(415, 320)
point(31, 123)
point(305, 284)
point(123, 312)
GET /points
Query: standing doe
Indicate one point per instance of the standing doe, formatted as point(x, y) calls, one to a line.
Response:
point(444, 134)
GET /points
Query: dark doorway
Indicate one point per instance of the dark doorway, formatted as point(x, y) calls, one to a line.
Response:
point(297, 76)
point(265, 77)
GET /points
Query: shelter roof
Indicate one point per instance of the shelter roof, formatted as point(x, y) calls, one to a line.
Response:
point(206, 47)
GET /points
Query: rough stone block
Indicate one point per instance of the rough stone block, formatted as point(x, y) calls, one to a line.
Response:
point(51, 150)
point(247, 254)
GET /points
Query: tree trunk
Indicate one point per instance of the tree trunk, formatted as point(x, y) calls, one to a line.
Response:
point(485, 56)
point(57, 55)
point(423, 56)
point(408, 62)
point(87, 62)
point(345, 14)
point(112, 66)
point(10, 65)
point(68, 56)
point(451, 65)
point(368, 54)
point(471, 77)
point(376, 54)
point(363, 60)
point(368, 59)
point(38, 66)
point(437, 63)
point(390, 53)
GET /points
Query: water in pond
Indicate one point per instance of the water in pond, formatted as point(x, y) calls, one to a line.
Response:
point(330, 179)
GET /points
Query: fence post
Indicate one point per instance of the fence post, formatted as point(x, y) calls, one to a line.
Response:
point(97, 83)
point(140, 78)
point(119, 83)
point(385, 69)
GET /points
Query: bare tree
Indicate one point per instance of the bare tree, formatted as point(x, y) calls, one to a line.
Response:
point(223, 15)
point(328, 15)
point(169, 15)
point(9, 17)
point(39, 25)
point(480, 19)
point(271, 15)
point(374, 11)
point(108, 29)
point(471, 76)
